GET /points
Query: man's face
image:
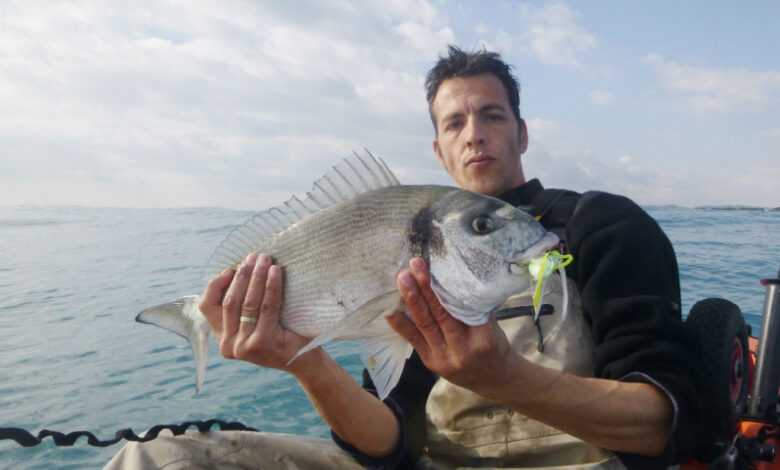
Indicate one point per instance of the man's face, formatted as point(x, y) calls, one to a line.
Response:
point(478, 141)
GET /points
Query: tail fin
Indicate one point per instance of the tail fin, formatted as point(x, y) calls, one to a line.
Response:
point(183, 317)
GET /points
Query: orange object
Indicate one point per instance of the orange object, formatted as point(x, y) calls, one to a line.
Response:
point(746, 427)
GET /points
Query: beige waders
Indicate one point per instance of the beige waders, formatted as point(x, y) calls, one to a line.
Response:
point(465, 430)
point(233, 450)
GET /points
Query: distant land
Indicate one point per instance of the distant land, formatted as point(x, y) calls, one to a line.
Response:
point(726, 207)
point(740, 207)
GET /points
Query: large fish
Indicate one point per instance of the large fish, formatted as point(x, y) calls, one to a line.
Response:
point(341, 246)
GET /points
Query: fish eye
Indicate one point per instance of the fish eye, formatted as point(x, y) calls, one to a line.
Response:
point(482, 224)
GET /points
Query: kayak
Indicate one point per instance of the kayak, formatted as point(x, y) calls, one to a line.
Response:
point(741, 425)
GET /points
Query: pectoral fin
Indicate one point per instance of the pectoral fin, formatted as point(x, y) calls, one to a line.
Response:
point(183, 317)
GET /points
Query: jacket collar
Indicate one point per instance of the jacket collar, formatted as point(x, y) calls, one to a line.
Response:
point(522, 195)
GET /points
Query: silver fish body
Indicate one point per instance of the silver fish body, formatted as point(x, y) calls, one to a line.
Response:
point(342, 246)
point(344, 256)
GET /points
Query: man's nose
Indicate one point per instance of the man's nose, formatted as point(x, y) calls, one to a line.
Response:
point(475, 133)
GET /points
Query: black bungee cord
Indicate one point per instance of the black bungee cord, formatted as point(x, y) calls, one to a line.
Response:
point(26, 439)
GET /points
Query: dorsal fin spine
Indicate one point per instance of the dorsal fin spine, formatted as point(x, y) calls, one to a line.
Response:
point(271, 220)
point(257, 233)
point(310, 197)
point(341, 183)
point(297, 206)
point(255, 224)
point(280, 217)
point(322, 190)
point(376, 180)
point(313, 204)
point(293, 217)
point(236, 255)
point(366, 186)
point(341, 195)
point(242, 238)
point(355, 192)
point(390, 178)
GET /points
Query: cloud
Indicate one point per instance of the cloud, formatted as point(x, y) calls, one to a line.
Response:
point(208, 99)
point(770, 133)
point(560, 161)
point(241, 104)
point(718, 90)
point(554, 34)
point(424, 38)
point(601, 97)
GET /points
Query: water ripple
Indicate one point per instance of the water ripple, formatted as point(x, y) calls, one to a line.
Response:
point(79, 276)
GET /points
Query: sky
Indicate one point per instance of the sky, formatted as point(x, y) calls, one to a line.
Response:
point(241, 104)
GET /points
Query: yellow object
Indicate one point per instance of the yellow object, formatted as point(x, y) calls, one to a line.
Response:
point(540, 270)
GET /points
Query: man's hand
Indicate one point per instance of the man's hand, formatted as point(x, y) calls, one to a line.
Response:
point(255, 292)
point(622, 416)
point(474, 357)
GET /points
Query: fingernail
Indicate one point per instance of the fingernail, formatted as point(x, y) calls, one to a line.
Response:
point(251, 258)
point(222, 273)
point(264, 260)
point(406, 279)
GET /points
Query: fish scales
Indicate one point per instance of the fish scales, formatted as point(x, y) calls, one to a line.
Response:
point(337, 259)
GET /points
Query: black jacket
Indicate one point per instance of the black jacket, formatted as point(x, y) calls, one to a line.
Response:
point(626, 272)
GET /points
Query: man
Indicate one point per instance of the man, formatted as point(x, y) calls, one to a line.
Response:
point(616, 371)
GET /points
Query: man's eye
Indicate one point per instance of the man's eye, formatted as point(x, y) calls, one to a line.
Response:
point(495, 117)
point(454, 125)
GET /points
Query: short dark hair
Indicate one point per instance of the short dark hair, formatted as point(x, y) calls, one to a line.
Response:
point(468, 64)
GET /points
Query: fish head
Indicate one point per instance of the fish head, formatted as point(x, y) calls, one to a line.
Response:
point(480, 253)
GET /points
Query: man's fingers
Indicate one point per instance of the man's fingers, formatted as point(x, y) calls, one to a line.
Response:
point(272, 300)
point(450, 327)
point(234, 298)
point(250, 308)
point(215, 288)
point(210, 304)
point(407, 329)
point(418, 309)
point(422, 276)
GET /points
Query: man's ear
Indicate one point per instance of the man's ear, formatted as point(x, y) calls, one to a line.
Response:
point(438, 153)
point(523, 136)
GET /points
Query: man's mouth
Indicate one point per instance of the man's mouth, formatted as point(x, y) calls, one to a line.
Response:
point(479, 160)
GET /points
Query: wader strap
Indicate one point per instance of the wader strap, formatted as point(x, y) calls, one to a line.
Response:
point(25, 439)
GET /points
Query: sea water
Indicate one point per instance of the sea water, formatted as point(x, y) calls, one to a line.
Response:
point(72, 280)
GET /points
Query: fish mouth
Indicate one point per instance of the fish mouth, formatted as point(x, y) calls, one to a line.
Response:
point(543, 245)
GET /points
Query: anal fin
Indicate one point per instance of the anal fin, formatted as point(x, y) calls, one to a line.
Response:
point(350, 326)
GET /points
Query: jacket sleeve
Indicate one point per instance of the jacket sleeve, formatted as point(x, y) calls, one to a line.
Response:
point(628, 280)
point(407, 401)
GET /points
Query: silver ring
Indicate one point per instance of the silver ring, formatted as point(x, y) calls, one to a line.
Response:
point(244, 319)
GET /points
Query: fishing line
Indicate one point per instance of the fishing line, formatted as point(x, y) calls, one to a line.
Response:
point(26, 439)
point(541, 268)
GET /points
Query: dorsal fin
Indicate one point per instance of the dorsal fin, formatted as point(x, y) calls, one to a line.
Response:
point(355, 175)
